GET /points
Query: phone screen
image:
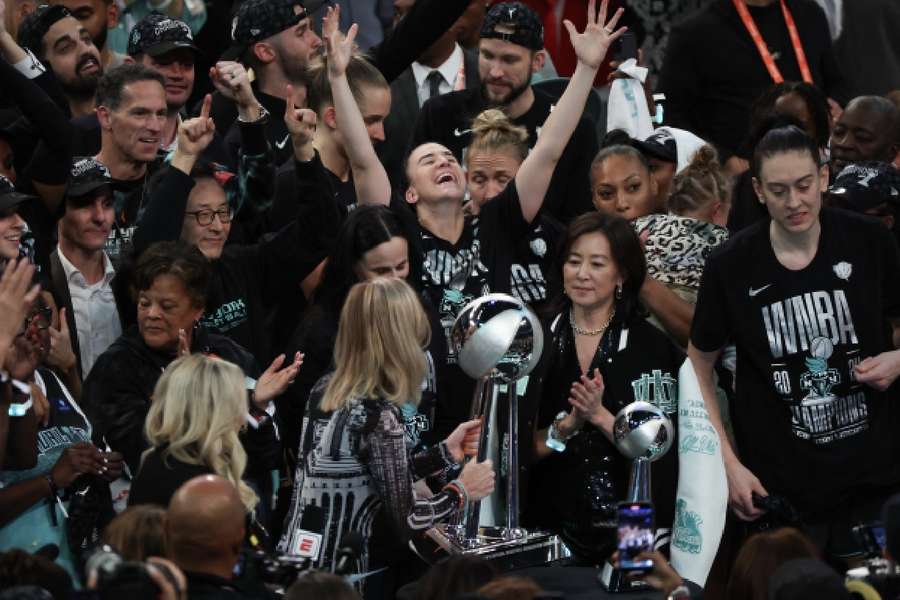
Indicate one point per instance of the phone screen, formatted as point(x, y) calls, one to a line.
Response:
point(880, 536)
point(635, 535)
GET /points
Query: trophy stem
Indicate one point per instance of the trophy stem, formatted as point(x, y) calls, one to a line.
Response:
point(512, 465)
point(639, 482)
point(488, 399)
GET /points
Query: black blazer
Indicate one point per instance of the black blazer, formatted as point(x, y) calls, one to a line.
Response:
point(398, 126)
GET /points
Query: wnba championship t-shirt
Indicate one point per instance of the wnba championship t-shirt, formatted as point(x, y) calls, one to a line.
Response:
point(803, 424)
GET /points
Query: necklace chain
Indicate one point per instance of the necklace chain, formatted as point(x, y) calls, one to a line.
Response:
point(590, 332)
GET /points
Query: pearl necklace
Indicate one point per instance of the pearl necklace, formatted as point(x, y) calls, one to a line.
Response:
point(590, 332)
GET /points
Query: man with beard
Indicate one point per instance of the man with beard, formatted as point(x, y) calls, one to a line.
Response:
point(58, 40)
point(510, 51)
point(869, 129)
point(275, 39)
point(98, 17)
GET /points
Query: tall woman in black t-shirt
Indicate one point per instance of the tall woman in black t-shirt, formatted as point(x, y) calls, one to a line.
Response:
point(600, 355)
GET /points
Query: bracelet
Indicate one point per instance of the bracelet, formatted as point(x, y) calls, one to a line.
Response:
point(263, 115)
point(53, 489)
point(556, 441)
point(457, 485)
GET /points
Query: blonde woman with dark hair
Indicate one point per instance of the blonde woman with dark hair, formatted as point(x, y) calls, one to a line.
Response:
point(353, 460)
point(199, 407)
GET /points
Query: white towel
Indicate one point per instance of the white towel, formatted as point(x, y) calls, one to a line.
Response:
point(702, 500)
point(627, 105)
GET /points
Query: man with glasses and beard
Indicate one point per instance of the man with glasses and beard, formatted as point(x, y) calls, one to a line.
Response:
point(510, 52)
point(61, 43)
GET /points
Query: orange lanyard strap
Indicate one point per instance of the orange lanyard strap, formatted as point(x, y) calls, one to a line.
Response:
point(763, 49)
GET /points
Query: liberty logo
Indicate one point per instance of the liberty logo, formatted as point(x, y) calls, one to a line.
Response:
point(658, 389)
point(686, 535)
point(819, 379)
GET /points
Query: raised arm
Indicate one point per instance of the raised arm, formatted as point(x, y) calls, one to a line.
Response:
point(369, 177)
point(533, 178)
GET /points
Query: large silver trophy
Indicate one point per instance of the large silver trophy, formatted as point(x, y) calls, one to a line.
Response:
point(498, 340)
point(643, 433)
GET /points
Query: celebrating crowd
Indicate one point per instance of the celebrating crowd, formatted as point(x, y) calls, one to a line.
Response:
point(235, 238)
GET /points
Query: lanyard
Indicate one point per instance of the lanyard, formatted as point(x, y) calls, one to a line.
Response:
point(764, 50)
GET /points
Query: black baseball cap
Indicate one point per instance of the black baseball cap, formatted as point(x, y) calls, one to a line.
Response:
point(259, 19)
point(660, 144)
point(10, 197)
point(157, 34)
point(85, 176)
point(866, 185)
point(517, 23)
point(36, 24)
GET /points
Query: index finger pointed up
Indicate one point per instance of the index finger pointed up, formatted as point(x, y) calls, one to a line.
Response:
point(63, 324)
point(290, 107)
point(207, 105)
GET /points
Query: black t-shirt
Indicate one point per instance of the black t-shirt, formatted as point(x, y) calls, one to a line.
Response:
point(129, 198)
point(454, 275)
point(802, 424)
point(533, 261)
point(575, 492)
point(447, 120)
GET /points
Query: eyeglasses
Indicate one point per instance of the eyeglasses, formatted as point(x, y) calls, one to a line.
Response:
point(205, 217)
point(41, 318)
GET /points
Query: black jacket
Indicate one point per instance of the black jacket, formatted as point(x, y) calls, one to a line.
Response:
point(712, 72)
point(117, 395)
point(158, 480)
point(203, 586)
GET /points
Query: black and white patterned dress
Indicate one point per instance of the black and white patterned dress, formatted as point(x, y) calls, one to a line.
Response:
point(352, 464)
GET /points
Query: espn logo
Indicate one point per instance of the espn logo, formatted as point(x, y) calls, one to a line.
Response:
point(307, 544)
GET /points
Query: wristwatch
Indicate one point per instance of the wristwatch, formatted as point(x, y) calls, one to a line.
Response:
point(680, 593)
point(555, 440)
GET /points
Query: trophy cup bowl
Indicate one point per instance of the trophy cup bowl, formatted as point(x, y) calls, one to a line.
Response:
point(642, 430)
point(497, 336)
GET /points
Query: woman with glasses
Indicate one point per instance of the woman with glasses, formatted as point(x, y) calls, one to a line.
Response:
point(170, 283)
point(188, 201)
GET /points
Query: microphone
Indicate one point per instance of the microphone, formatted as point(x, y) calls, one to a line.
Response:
point(348, 553)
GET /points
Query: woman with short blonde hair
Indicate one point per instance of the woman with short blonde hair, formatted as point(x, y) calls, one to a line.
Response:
point(354, 459)
point(199, 406)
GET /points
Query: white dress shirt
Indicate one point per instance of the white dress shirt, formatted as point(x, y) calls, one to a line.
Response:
point(452, 72)
point(96, 314)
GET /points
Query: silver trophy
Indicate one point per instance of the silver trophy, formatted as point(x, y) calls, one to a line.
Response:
point(498, 340)
point(643, 433)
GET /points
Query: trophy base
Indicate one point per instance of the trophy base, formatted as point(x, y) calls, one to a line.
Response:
point(614, 580)
point(507, 549)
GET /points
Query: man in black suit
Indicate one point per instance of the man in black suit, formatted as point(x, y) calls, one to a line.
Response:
point(444, 67)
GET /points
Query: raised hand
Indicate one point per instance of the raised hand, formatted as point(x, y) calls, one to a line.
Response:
point(231, 79)
point(61, 354)
point(195, 135)
point(17, 294)
point(301, 125)
point(275, 380)
point(339, 46)
point(591, 45)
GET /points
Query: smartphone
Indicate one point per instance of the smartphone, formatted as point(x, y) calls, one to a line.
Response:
point(625, 47)
point(636, 532)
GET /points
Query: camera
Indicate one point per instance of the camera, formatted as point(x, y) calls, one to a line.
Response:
point(276, 571)
point(119, 578)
